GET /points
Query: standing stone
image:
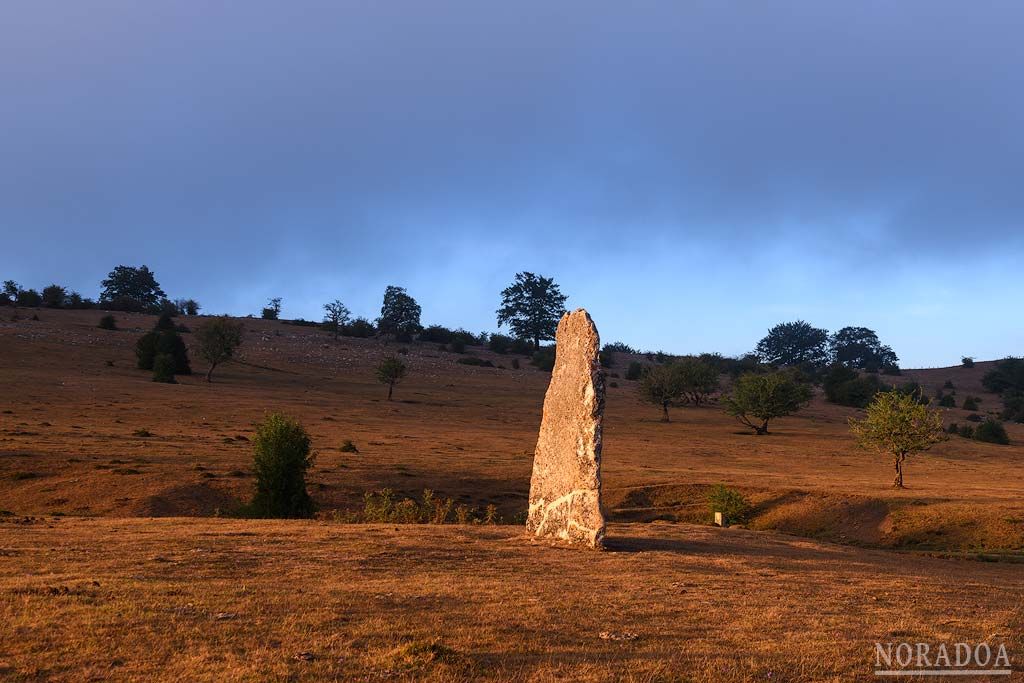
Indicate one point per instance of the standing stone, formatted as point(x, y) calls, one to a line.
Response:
point(565, 489)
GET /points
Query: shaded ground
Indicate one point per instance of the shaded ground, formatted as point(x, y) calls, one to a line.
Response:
point(216, 600)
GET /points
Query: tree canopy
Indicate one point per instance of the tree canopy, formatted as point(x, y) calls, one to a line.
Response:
point(336, 315)
point(217, 340)
point(756, 399)
point(859, 347)
point(133, 288)
point(531, 307)
point(795, 343)
point(900, 425)
point(399, 315)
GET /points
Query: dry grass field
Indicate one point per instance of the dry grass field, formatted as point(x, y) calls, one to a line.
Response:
point(93, 587)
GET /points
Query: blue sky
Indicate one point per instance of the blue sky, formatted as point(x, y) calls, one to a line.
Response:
point(692, 173)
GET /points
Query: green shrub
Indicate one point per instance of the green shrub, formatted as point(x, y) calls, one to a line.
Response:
point(499, 343)
point(145, 350)
point(107, 322)
point(360, 328)
point(458, 346)
point(967, 362)
point(953, 428)
point(349, 447)
point(437, 334)
point(163, 368)
point(169, 342)
point(619, 347)
point(635, 370)
point(967, 431)
point(1013, 406)
point(844, 386)
point(947, 401)
point(544, 359)
point(729, 502)
point(948, 384)
point(971, 403)
point(522, 347)
point(281, 457)
point(992, 431)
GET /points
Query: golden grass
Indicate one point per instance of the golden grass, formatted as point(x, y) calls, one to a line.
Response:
point(229, 600)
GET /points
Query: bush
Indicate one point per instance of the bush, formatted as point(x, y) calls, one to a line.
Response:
point(966, 431)
point(544, 359)
point(948, 384)
point(635, 370)
point(619, 347)
point(458, 346)
point(349, 447)
point(281, 457)
point(28, 298)
point(729, 502)
point(971, 403)
point(967, 362)
point(947, 401)
point(154, 343)
point(974, 417)
point(606, 359)
point(522, 347)
point(437, 334)
point(992, 431)
point(499, 343)
point(163, 368)
point(953, 428)
point(846, 387)
point(472, 360)
point(361, 328)
point(107, 322)
point(1013, 406)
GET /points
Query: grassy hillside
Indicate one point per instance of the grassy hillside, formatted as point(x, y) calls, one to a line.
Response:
point(83, 433)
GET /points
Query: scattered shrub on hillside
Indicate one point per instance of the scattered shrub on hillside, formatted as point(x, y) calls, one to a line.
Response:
point(438, 334)
point(544, 359)
point(948, 384)
point(349, 447)
point(473, 360)
point(967, 362)
point(619, 347)
point(607, 360)
point(974, 417)
point(281, 458)
point(844, 386)
point(966, 431)
point(28, 298)
point(971, 403)
point(499, 343)
point(391, 371)
point(383, 507)
point(361, 328)
point(634, 371)
point(729, 502)
point(1013, 406)
point(168, 342)
point(522, 347)
point(992, 431)
point(163, 368)
point(947, 401)
point(953, 428)
point(107, 322)
point(457, 346)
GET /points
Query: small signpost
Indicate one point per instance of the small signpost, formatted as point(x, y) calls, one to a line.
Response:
point(720, 519)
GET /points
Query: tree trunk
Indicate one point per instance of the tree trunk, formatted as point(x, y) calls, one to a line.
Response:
point(664, 412)
point(762, 430)
point(536, 343)
point(391, 388)
point(209, 373)
point(898, 482)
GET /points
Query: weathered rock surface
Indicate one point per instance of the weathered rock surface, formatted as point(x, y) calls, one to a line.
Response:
point(565, 488)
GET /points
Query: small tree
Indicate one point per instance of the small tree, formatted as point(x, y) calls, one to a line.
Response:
point(272, 311)
point(390, 371)
point(336, 314)
point(163, 368)
point(699, 379)
point(217, 340)
point(107, 322)
point(756, 399)
point(967, 362)
point(532, 306)
point(899, 425)
point(29, 298)
point(399, 314)
point(663, 386)
point(187, 306)
point(10, 292)
point(281, 457)
point(54, 296)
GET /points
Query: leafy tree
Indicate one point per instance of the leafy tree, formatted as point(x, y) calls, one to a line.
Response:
point(10, 292)
point(635, 370)
point(129, 288)
point(796, 343)
point(1007, 379)
point(947, 401)
point(756, 399)
point(399, 315)
point(281, 458)
point(971, 403)
point(54, 296)
point(699, 379)
point(532, 306)
point(107, 322)
point(436, 334)
point(859, 347)
point(272, 311)
point(163, 339)
point(898, 425)
point(663, 385)
point(217, 340)
point(967, 362)
point(391, 371)
point(29, 298)
point(336, 314)
point(619, 347)
point(187, 306)
point(499, 343)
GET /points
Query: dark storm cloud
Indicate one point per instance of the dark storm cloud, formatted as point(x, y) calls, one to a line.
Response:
point(245, 149)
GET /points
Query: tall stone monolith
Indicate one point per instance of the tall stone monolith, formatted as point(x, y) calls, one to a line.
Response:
point(565, 488)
